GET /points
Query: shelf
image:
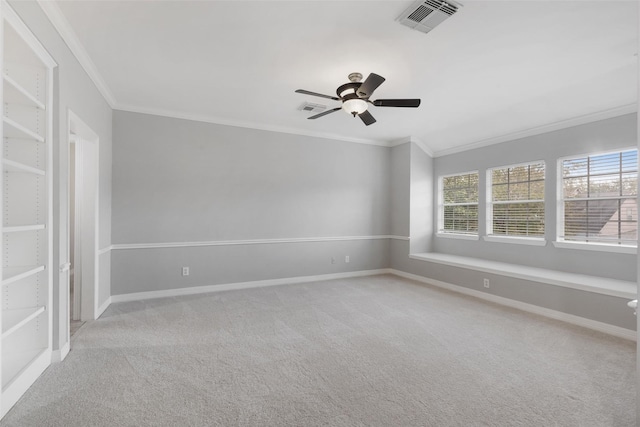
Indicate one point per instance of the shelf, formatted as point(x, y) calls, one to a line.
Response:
point(12, 166)
point(13, 320)
point(15, 363)
point(13, 129)
point(13, 274)
point(19, 228)
point(14, 93)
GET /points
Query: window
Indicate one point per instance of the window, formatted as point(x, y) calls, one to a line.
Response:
point(599, 195)
point(516, 200)
point(459, 204)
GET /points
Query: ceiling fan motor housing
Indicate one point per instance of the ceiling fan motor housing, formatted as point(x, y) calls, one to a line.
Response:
point(348, 89)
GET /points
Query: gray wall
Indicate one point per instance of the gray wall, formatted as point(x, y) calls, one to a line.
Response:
point(185, 181)
point(611, 134)
point(421, 200)
point(400, 187)
point(73, 89)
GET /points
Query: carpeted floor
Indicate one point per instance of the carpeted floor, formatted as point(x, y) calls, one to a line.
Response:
point(371, 351)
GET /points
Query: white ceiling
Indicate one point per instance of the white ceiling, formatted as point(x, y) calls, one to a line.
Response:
point(495, 70)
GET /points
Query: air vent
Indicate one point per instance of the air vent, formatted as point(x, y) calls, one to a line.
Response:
point(425, 15)
point(312, 108)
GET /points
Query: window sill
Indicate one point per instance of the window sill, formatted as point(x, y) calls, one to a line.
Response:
point(458, 236)
point(600, 247)
point(599, 285)
point(533, 241)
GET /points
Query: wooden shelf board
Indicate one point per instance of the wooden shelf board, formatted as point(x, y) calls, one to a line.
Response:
point(13, 129)
point(13, 320)
point(19, 228)
point(15, 363)
point(16, 94)
point(13, 166)
point(13, 274)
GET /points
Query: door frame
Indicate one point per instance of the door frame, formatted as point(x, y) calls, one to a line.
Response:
point(87, 221)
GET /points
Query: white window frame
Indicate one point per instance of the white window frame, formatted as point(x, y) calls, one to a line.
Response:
point(560, 242)
point(498, 238)
point(441, 232)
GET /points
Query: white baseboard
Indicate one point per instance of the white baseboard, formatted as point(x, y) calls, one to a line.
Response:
point(553, 314)
point(103, 307)
point(241, 285)
point(59, 355)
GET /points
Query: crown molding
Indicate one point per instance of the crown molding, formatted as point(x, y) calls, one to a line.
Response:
point(562, 124)
point(62, 26)
point(69, 36)
point(243, 124)
point(423, 146)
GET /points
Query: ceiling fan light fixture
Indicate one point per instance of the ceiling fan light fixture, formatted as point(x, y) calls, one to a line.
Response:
point(354, 106)
point(347, 91)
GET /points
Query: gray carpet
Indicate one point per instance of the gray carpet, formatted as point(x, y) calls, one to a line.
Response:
point(372, 351)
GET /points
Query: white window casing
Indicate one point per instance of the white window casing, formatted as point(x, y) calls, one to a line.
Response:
point(515, 202)
point(458, 205)
point(597, 200)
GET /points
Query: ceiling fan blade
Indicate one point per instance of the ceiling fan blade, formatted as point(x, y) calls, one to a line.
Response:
point(410, 103)
point(369, 85)
point(324, 113)
point(367, 118)
point(306, 92)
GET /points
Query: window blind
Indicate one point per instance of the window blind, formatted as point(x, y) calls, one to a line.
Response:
point(516, 206)
point(459, 212)
point(599, 195)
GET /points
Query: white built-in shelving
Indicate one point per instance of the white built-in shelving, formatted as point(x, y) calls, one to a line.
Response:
point(25, 193)
point(13, 274)
point(16, 94)
point(12, 166)
point(13, 320)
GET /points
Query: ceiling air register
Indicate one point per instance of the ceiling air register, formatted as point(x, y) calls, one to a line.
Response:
point(425, 15)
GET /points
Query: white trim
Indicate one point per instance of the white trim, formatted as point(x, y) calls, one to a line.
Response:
point(582, 282)
point(490, 203)
point(392, 237)
point(247, 125)
point(560, 201)
point(400, 141)
point(58, 356)
point(241, 285)
point(61, 24)
point(442, 204)
point(416, 141)
point(105, 250)
point(518, 240)
point(553, 314)
point(423, 145)
point(71, 39)
point(593, 154)
point(601, 247)
point(562, 124)
point(87, 263)
point(457, 236)
point(517, 165)
point(120, 246)
point(23, 31)
point(103, 307)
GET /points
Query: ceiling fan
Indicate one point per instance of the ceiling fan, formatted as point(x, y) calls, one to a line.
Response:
point(355, 98)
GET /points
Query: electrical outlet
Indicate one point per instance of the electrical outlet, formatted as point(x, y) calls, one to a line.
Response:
point(486, 283)
point(333, 260)
point(346, 258)
point(185, 271)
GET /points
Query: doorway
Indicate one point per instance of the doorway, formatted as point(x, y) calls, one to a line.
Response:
point(83, 223)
